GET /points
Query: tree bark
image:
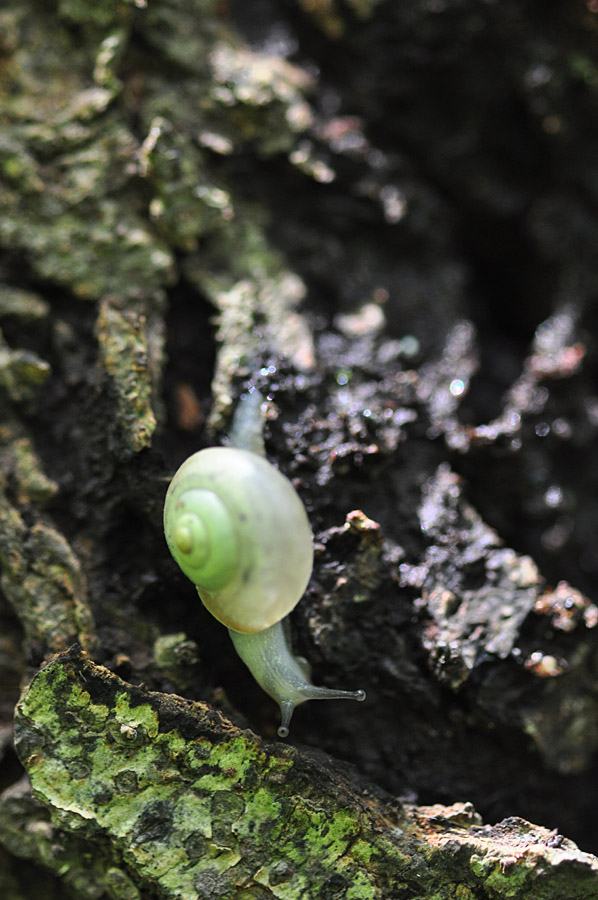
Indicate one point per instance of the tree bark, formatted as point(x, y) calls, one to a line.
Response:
point(383, 217)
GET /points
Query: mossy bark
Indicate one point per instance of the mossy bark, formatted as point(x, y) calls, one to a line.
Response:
point(383, 216)
point(179, 802)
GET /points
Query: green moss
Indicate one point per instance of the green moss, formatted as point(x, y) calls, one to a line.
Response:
point(187, 203)
point(124, 355)
point(33, 484)
point(178, 810)
point(185, 805)
point(21, 372)
point(26, 306)
point(100, 13)
point(362, 888)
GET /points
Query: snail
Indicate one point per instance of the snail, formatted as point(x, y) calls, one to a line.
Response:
point(238, 529)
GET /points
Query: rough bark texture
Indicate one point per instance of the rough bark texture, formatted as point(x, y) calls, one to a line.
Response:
point(177, 801)
point(384, 216)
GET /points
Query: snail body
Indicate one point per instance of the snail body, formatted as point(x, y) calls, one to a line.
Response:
point(238, 529)
point(281, 674)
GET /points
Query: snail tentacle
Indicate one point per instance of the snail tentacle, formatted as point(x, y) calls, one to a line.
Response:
point(281, 674)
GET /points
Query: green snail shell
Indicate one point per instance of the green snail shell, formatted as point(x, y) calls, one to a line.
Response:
point(238, 530)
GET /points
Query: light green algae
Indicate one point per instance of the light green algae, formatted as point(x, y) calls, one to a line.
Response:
point(186, 806)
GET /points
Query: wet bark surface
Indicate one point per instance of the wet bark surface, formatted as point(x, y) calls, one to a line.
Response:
point(384, 217)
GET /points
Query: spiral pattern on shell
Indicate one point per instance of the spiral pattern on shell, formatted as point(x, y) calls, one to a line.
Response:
point(238, 530)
